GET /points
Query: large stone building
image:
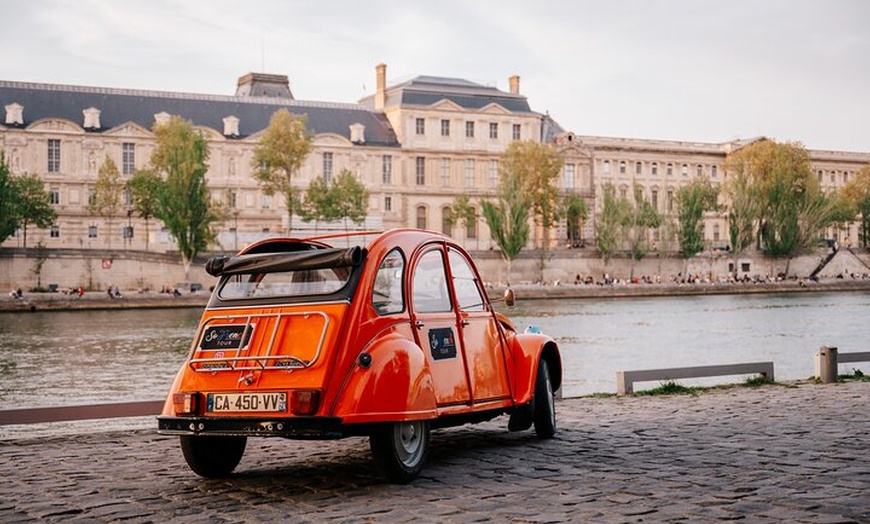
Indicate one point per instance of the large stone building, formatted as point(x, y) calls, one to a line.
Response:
point(415, 145)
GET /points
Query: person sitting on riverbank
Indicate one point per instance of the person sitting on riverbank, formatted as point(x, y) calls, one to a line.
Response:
point(17, 294)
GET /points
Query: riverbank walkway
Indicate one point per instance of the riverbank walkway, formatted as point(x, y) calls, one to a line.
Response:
point(777, 453)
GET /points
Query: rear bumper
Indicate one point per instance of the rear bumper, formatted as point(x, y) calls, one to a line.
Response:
point(296, 427)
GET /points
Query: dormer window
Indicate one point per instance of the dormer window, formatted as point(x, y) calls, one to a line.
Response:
point(162, 117)
point(14, 114)
point(92, 118)
point(358, 133)
point(231, 126)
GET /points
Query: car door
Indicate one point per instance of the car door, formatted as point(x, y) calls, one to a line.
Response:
point(436, 327)
point(478, 332)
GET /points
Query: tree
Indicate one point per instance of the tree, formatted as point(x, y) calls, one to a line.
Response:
point(350, 197)
point(608, 222)
point(508, 219)
point(145, 189)
point(318, 203)
point(8, 201)
point(639, 218)
point(856, 194)
point(34, 203)
point(185, 206)
point(282, 150)
point(462, 212)
point(694, 200)
point(744, 205)
point(537, 166)
point(106, 202)
point(575, 212)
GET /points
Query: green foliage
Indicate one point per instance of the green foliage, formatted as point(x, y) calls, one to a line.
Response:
point(608, 221)
point(575, 212)
point(185, 205)
point(774, 192)
point(8, 201)
point(34, 203)
point(345, 198)
point(640, 217)
point(756, 381)
point(693, 202)
point(508, 219)
point(461, 211)
point(856, 195)
point(537, 166)
point(107, 194)
point(145, 187)
point(282, 150)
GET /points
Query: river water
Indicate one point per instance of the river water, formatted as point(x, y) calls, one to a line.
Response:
point(82, 357)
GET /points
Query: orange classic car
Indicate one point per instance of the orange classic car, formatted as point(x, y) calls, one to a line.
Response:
point(303, 339)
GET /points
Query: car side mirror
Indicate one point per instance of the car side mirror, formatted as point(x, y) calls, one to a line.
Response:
point(509, 298)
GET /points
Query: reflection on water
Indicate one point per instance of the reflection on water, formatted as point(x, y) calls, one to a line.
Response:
point(81, 357)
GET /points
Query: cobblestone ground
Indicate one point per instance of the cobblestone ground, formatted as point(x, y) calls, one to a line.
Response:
point(772, 454)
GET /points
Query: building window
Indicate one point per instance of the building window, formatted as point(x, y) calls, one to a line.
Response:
point(606, 167)
point(469, 172)
point(421, 217)
point(655, 199)
point(388, 203)
point(655, 168)
point(699, 170)
point(820, 175)
point(53, 196)
point(622, 167)
point(685, 170)
point(421, 170)
point(493, 130)
point(713, 171)
point(623, 192)
point(387, 169)
point(231, 199)
point(327, 166)
point(833, 177)
point(53, 155)
point(265, 201)
point(128, 158)
point(670, 169)
point(54, 232)
point(638, 168)
point(421, 126)
point(568, 176)
point(469, 129)
point(92, 231)
point(516, 132)
point(845, 177)
point(445, 172)
point(445, 128)
point(715, 232)
point(493, 173)
point(670, 200)
point(447, 221)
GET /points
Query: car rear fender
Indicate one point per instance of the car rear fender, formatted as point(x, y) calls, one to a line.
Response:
point(390, 380)
point(528, 351)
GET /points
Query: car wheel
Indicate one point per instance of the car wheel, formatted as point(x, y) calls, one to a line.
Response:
point(544, 402)
point(400, 449)
point(213, 457)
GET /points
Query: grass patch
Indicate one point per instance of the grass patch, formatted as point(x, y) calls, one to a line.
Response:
point(756, 381)
point(856, 376)
point(670, 388)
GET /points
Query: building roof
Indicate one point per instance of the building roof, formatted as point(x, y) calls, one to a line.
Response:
point(118, 106)
point(429, 90)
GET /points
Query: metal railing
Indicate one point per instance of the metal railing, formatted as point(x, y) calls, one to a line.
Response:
point(625, 379)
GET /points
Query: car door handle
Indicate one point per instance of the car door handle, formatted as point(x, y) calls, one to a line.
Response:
point(464, 322)
point(419, 324)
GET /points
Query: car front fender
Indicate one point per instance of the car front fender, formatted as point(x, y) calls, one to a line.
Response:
point(390, 381)
point(528, 350)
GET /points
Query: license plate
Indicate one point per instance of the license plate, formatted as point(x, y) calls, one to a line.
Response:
point(244, 402)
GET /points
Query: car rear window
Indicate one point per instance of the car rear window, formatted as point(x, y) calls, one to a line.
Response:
point(308, 282)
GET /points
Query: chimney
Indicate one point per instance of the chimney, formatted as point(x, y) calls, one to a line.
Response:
point(514, 81)
point(381, 93)
point(92, 118)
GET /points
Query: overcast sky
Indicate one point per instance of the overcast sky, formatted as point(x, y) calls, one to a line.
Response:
point(691, 70)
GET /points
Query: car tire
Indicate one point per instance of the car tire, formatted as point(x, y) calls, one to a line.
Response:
point(544, 402)
point(213, 457)
point(400, 449)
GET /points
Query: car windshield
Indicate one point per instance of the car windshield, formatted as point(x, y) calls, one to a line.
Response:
point(284, 283)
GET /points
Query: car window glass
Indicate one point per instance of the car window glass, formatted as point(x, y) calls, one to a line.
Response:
point(430, 284)
point(387, 295)
point(285, 283)
point(465, 284)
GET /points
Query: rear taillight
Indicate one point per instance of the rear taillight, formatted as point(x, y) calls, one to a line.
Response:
point(304, 402)
point(185, 403)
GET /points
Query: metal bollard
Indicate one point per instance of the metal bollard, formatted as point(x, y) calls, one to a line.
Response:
point(826, 364)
